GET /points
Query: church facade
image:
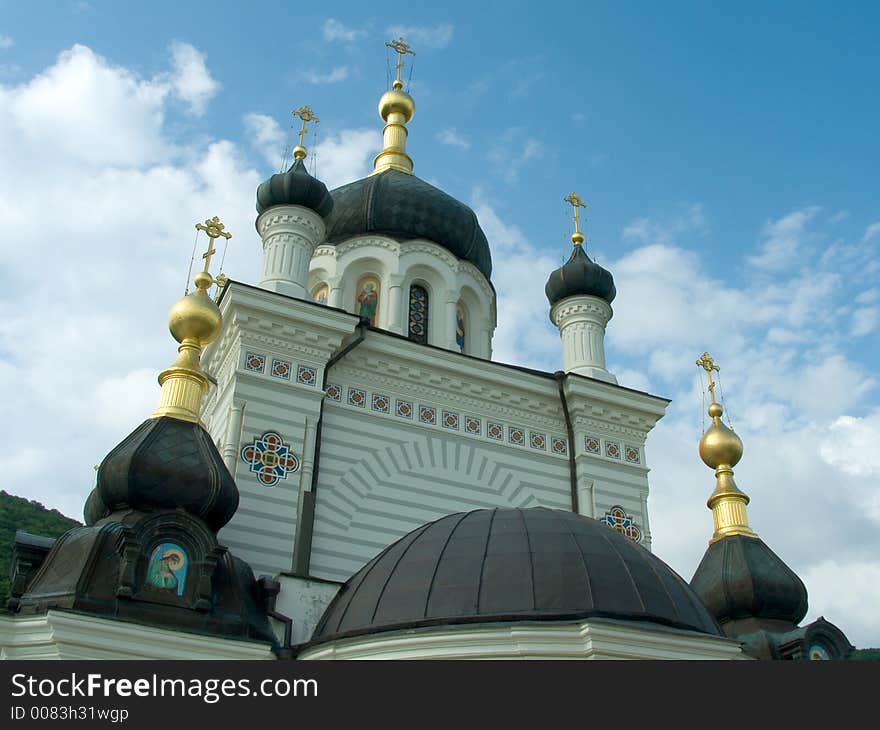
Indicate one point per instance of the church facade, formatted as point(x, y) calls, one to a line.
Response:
point(340, 430)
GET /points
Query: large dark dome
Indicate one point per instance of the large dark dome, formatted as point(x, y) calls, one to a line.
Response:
point(400, 205)
point(511, 565)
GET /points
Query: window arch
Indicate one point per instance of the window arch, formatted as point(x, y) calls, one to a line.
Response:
point(418, 314)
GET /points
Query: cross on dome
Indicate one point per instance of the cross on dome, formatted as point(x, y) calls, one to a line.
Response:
point(307, 115)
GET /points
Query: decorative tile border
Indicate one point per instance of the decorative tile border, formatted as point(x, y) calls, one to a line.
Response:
point(560, 446)
point(450, 420)
point(612, 449)
point(255, 362)
point(381, 403)
point(306, 375)
point(473, 426)
point(632, 455)
point(357, 397)
point(404, 408)
point(334, 392)
point(591, 445)
point(538, 441)
point(495, 431)
point(428, 415)
point(270, 458)
point(516, 435)
point(281, 369)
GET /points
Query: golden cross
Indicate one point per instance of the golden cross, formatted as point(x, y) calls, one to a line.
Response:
point(214, 228)
point(402, 48)
point(708, 364)
point(577, 204)
point(307, 115)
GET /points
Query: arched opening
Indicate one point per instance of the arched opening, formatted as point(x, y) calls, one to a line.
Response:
point(417, 329)
point(367, 297)
point(461, 328)
point(320, 293)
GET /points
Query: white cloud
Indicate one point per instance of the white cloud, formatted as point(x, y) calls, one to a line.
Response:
point(851, 445)
point(335, 31)
point(452, 137)
point(346, 156)
point(512, 150)
point(850, 590)
point(433, 36)
point(266, 137)
point(340, 73)
point(103, 192)
point(864, 321)
point(192, 82)
point(648, 231)
point(871, 232)
point(6, 42)
point(783, 240)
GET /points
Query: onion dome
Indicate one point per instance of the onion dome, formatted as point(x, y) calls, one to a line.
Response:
point(166, 463)
point(401, 206)
point(295, 187)
point(580, 276)
point(506, 565)
point(740, 577)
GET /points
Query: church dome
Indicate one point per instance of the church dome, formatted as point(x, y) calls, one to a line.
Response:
point(492, 565)
point(741, 577)
point(165, 463)
point(294, 187)
point(400, 205)
point(580, 276)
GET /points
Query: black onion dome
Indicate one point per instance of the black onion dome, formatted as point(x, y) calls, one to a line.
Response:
point(580, 276)
point(511, 565)
point(294, 187)
point(740, 577)
point(166, 463)
point(400, 205)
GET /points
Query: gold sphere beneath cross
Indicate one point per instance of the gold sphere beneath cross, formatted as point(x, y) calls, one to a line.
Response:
point(399, 102)
point(195, 317)
point(720, 446)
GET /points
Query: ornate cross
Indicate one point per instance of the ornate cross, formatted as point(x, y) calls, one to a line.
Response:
point(307, 115)
point(402, 48)
point(214, 228)
point(708, 364)
point(577, 204)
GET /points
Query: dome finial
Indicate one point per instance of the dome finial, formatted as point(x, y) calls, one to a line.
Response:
point(307, 115)
point(577, 238)
point(396, 107)
point(721, 449)
point(194, 321)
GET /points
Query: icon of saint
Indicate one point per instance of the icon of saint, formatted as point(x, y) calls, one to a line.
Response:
point(368, 299)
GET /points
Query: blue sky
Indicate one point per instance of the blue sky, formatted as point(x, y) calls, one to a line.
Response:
point(728, 155)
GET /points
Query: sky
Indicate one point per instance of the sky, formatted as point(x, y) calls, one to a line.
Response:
point(729, 157)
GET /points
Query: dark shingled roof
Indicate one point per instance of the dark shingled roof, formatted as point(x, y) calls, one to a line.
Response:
point(511, 565)
point(402, 206)
point(579, 276)
point(294, 187)
point(740, 577)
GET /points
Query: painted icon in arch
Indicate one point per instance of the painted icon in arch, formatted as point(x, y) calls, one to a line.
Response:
point(167, 568)
point(320, 294)
point(368, 299)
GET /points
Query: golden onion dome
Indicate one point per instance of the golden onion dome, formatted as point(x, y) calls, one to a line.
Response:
point(720, 446)
point(399, 102)
point(195, 316)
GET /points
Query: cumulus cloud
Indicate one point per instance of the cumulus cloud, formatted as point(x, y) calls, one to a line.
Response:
point(335, 75)
point(453, 138)
point(851, 445)
point(191, 80)
point(6, 42)
point(267, 137)
point(427, 36)
point(334, 30)
point(513, 149)
point(106, 194)
point(346, 156)
point(783, 239)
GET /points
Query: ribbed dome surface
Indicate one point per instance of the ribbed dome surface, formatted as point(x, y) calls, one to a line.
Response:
point(740, 577)
point(580, 276)
point(402, 206)
point(166, 463)
point(511, 565)
point(294, 187)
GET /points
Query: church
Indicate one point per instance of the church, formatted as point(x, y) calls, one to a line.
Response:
point(337, 469)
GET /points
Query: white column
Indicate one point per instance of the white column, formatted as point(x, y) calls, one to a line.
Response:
point(334, 298)
point(396, 304)
point(448, 333)
point(581, 321)
point(290, 234)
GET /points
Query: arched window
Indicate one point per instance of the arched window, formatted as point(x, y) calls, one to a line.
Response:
point(460, 327)
point(367, 298)
point(320, 293)
point(418, 314)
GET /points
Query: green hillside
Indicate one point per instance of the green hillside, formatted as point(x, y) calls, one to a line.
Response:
point(18, 513)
